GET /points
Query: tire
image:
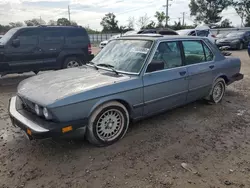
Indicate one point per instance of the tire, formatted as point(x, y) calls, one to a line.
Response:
point(71, 62)
point(218, 91)
point(108, 124)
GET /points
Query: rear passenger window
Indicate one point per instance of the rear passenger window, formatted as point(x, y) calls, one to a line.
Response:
point(203, 33)
point(194, 52)
point(53, 36)
point(76, 36)
point(208, 53)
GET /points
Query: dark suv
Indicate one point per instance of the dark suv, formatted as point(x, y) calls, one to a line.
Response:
point(40, 48)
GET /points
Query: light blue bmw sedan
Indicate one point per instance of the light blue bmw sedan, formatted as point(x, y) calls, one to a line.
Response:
point(133, 77)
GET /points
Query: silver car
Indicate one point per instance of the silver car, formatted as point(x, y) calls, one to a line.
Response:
point(131, 78)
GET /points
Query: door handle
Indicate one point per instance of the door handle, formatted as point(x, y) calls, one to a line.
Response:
point(182, 73)
point(211, 66)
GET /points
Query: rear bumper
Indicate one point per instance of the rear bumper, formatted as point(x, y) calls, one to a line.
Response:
point(236, 77)
point(37, 128)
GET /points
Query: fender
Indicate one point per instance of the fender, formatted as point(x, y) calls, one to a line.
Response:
point(112, 98)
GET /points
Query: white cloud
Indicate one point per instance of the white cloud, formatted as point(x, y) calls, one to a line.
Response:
point(90, 12)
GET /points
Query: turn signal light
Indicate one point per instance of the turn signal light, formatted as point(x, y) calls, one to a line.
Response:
point(67, 129)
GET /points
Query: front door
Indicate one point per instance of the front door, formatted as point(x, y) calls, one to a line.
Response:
point(166, 88)
point(27, 56)
point(200, 66)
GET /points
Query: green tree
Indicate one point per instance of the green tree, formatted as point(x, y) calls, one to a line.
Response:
point(208, 11)
point(63, 22)
point(109, 23)
point(34, 22)
point(161, 17)
point(226, 23)
point(242, 8)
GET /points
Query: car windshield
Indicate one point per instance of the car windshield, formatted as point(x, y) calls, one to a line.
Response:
point(236, 34)
point(124, 55)
point(8, 35)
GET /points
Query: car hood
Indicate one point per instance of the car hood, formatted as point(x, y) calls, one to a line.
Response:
point(47, 88)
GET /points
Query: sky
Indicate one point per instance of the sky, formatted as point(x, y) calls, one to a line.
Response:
point(89, 13)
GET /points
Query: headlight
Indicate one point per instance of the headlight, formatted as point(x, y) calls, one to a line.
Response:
point(235, 41)
point(46, 114)
point(38, 110)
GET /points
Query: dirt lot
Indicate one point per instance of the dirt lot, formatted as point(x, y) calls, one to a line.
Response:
point(215, 140)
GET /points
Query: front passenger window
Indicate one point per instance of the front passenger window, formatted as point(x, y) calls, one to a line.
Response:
point(169, 53)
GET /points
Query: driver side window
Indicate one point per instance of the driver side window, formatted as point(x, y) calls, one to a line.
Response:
point(169, 53)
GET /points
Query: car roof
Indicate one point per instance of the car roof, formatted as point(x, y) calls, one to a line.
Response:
point(155, 37)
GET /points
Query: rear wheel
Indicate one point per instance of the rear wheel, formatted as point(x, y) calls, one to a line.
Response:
point(218, 91)
point(108, 124)
point(72, 62)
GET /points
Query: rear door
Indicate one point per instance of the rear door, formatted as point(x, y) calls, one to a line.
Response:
point(200, 65)
point(51, 41)
point(27, 56)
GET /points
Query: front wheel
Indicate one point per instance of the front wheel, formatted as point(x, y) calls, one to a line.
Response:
point(108, 124)
point(218, 91)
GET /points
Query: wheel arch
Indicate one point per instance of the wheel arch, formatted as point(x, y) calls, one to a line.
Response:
point(109, 99)
point(224, 76)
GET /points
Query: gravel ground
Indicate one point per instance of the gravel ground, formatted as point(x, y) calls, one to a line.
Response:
point(212, 139)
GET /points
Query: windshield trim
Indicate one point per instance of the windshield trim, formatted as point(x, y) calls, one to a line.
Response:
point(145, 61)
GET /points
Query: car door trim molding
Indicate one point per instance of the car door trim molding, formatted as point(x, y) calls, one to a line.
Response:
point(163, 98)
point(203, 86)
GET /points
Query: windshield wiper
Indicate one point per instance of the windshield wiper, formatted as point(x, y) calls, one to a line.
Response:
point(92, 63)
point(108, 66)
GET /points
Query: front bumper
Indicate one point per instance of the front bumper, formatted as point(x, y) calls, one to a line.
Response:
point(38, 128)
point(235, 77)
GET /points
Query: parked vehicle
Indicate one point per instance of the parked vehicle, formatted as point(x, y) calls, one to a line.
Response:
point(161, 31)
point(105, 42)
point(131, 78)
point(143, 31)
point(235, 40)
point(40, 48)
point(201, 32)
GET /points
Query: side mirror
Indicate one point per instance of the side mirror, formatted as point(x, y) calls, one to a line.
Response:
point(155, 66)
point(16, 42)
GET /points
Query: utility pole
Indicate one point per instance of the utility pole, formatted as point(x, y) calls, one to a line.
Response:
point(167, 6)
point(183, 18)
point(69, 12)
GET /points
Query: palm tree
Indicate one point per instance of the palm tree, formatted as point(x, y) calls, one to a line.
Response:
point(160, 16)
